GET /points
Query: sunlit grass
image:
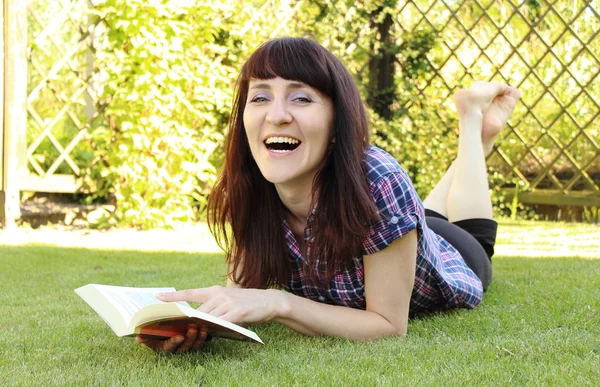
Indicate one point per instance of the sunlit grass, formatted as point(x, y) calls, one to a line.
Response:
point(185, 238)
point(548, 239)
point(538, 325)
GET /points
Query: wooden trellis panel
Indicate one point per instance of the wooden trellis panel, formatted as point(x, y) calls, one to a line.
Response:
point(60, 98)
point(549, 50)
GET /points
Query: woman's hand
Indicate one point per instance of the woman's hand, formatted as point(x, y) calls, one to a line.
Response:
point(240, 306)
point(193, 340)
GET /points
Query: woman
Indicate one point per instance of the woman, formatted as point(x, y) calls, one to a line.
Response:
point(306, 205)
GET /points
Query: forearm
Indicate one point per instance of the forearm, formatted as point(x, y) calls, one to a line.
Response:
point(389, 280)
point(470, 121)
point(315, 319)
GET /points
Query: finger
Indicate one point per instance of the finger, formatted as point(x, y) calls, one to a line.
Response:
point(235, 316)
point(153, 344)
point(190, 338)
point(210, 305)
point(173, 343)
point(221, 309)
point(194, 295)
point(489, 85)
point(200, 339)
point(514, 92)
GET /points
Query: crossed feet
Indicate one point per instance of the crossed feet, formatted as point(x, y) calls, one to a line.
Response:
point(495, 101)
point(496, 117)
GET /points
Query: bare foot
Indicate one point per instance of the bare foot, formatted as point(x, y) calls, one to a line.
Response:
point(494, 101)
point(495, 117)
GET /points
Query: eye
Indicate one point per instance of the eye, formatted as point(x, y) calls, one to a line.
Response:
point(258, 99)
point(302, 98)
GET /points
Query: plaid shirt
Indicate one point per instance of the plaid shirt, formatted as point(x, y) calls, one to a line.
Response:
point(442, 279)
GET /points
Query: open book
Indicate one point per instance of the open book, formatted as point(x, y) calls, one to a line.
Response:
point(136, 311)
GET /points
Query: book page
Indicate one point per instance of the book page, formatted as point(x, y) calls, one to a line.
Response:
point(129, 300)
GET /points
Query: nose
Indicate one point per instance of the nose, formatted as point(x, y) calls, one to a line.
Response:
point(278, 113)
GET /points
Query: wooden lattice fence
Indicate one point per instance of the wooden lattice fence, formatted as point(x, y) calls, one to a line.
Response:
point(61, 97)
point(550, 50)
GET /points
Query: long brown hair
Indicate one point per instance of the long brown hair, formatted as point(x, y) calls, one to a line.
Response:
point(244, 211)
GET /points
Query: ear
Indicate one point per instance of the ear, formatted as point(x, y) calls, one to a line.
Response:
point(333, 140)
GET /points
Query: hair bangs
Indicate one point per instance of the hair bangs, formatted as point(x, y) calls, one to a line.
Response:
point(293, 59)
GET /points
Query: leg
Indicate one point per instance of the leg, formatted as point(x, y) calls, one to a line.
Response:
point(471, 240)
point(463, 192)
point(437, 200)
point(468, 194)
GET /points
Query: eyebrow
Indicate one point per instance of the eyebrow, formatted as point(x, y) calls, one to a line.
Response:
point(291, 85)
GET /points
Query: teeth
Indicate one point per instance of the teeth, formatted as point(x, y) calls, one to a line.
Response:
point(287, 140)
point(280, 150)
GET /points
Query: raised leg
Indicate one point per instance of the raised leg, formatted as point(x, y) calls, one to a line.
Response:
point(468, 194)
point(463, 191)
point(437, 200)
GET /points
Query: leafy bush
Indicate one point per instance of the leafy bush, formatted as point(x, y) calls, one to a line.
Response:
point(165, 76)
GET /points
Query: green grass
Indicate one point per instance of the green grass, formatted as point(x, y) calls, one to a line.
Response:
point(539, 324)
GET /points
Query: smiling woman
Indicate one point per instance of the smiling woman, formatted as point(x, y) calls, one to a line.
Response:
point(325, 233)
point(288, 126)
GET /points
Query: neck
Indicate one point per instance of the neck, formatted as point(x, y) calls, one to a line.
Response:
point(297, 199)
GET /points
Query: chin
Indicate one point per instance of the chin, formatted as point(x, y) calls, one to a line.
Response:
point(276, 178)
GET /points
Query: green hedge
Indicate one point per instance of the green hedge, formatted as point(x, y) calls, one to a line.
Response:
point(166, 71)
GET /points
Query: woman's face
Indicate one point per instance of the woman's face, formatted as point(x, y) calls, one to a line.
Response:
point(289, 128)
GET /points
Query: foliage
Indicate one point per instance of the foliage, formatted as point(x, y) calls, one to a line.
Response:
point(506, 42)
point(420, 133)
point(165, 75)
point(50, 335)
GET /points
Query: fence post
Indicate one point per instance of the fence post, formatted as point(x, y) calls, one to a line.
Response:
point(14, 115)
point(2, 197)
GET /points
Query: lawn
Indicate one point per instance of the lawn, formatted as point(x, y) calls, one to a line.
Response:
point(539, 324)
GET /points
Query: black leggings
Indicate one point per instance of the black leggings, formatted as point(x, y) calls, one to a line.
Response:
point(473, 238)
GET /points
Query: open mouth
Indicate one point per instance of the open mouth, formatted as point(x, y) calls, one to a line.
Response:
point(282, 144)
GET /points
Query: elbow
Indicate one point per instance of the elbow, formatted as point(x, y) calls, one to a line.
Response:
point(403, 331)
point(390, 332)
point(389, 329)
point(394, 327)
point(396, 331)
